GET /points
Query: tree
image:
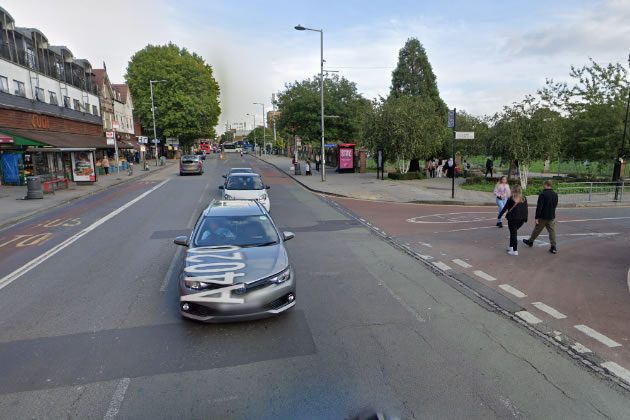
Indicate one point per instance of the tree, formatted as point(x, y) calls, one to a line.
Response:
point(258, 135)
point(299, 106)
point(187, 105)
point(478, 125)
point(414, 77)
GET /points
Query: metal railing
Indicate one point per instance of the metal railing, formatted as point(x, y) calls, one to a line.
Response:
point(594, 192)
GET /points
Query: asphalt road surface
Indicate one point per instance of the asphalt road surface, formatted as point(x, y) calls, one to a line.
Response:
point(90, 328)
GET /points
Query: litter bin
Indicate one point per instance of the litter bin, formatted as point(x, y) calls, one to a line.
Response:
point(298, 170)
point(162, 160)
point(34, 187)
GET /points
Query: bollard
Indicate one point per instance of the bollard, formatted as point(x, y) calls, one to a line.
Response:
point(298, 170)
point(34, 188)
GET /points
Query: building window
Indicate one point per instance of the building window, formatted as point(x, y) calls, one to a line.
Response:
point(30, 58)
point(77, 105)
point(86, 107)
point(94, 110)
point(66, 101)
point(19, 88)
point(53, 98)
point(40, 95)
point(4, 84)
point(60, 71)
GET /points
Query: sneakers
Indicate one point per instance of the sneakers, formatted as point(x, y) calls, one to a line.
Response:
point(553, 250)
point(512, 252)
point(499, 224)
point(528, 243)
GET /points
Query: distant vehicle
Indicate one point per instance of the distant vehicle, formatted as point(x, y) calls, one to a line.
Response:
point(190, 164)
point(204, 146)
point(229, 148)
point(239, 171)
point(236, 267)
point(241, 186)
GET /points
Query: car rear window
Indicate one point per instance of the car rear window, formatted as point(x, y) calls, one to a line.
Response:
point(243, 231)
point(236, 182)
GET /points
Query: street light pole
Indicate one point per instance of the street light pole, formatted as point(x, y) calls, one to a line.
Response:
point(273, 116)
point(254, 130)
point(264, 127)
point(153, 112)
point(321, 82)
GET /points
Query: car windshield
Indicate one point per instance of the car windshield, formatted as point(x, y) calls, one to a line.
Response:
point(237, 182)
point(189, 158)
point(243, 231)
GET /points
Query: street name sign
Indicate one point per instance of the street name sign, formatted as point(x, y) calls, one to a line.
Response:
point(464, 135)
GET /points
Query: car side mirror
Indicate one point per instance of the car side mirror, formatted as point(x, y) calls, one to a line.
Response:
point(288, 235)
point(267, 187)
point(181, 240)
point(221, 187)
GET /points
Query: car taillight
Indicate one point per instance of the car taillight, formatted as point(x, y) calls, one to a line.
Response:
point(200, 164)
point(180, 165)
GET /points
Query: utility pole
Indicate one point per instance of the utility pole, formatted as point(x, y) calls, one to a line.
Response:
point(153, 112)
point(273, 104)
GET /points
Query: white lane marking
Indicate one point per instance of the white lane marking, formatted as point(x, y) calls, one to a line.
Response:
point(461, 263)
point(549, 310)
point(475, 228)
point(596, 234)
point(483, 275)
point(426, 244)
point(441, 265)
point(425, 257)
point(176, 256)
point(512, 290)
point(597, 336)
point(452, 218)
point(527, 317)
point(580, 348)
point(412, 311)
point(620, 371)
point(117, 399)
point(10, 278)
point(590, 220)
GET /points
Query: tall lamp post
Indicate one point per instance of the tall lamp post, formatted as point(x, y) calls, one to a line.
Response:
point(153, 111)
point(321, 82)
point(617, 175)
point(264, 127)
point(254, 130)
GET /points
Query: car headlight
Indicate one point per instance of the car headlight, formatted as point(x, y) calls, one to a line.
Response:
point(197, 285)
point(262, 197)
point(281, 277)
point(227, 197)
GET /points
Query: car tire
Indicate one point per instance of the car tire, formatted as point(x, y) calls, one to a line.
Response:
point(181, 174)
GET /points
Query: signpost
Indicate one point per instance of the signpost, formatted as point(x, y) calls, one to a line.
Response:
point(465, 135)
point(452, 123)
point(115, 126)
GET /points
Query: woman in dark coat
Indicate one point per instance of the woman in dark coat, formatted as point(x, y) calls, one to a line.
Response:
point(516, 208)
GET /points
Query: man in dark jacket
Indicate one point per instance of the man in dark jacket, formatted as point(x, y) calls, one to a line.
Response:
point(545, 216)
point(489, 167)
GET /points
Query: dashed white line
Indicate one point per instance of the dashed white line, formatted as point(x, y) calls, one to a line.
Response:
point(581, 348)
point(512, 290)
point(425, 257)
point(527, 317)
point(620, 371)
point(171, 268)
point(483, 275)
point(597, 336)
point(426, 244)
point(549, 310)
point(117, 399)
point(441, 265)
point(461, 263)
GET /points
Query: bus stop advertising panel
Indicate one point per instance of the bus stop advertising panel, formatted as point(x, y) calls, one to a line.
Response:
point(346, 157)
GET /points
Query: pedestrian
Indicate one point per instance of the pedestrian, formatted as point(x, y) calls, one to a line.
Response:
point(489, 167)
point(466, 168)
point(545, 216)
point(440, 166)
point(501, 193)
point(317, 163)
point(450, 168)
point(516, 215)
point(105, 164)
point(308, 167)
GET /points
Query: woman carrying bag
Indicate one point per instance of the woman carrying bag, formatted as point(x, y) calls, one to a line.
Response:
point(516, 208)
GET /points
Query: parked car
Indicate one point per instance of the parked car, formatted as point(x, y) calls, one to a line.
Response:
point(236, 266)
point(190, 164)
point(242, 186)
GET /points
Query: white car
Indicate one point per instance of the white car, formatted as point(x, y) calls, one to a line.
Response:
point(245, 186)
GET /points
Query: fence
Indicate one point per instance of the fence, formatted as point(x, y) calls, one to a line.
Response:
point(594, 192)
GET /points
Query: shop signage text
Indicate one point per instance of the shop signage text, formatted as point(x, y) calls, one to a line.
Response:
point(40, 121)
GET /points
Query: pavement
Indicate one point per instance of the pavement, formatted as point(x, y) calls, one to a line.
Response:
point(13, 207)
point(90, 328)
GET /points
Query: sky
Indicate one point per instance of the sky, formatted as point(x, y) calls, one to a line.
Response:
point(485, 54)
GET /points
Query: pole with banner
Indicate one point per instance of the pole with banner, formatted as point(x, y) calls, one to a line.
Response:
point(115, 126)
point(452, 123)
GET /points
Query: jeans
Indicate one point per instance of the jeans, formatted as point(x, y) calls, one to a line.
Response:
point(501, 204)
point(514, 227)
point(551, 228)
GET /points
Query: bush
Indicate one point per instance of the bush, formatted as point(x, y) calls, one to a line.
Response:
point(405, 177)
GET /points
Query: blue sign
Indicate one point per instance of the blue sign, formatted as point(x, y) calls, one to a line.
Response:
point(330, 145)
point(451, 118)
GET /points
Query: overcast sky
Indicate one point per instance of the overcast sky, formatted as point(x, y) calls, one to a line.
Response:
point(485, 54)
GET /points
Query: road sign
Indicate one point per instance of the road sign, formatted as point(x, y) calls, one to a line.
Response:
point(451, 118)
point(110, 134)
point(465, 135)
point(115, 125)
point(155, 141)
point(110, 141)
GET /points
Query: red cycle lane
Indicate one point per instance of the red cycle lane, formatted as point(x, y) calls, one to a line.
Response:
point(582, 291)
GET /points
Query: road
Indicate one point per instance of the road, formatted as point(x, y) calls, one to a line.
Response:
point(89, 323)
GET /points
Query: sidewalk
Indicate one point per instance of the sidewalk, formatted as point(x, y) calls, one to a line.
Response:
point(367, 187)
point(13, 207)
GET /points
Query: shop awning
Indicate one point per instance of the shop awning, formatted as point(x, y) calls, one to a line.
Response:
point(55, 138)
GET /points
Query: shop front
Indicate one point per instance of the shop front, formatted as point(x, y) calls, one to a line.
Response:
point(13, 168)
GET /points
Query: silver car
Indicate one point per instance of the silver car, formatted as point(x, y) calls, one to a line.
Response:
point(190, 164)
point(236, 266)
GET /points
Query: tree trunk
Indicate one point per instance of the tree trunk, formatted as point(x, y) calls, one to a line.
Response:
point(414, 165)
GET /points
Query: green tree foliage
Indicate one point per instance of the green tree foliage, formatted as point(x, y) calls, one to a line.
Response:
point(299, 106)
point(595, 106)
point(187, 106)
point(258, 134)
point(479, 125)
point(414, 77)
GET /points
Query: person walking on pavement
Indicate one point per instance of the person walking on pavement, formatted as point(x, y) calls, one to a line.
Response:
point(105, 165)
point(450, 168)
point(516, 209)
point(489, 167)
point(317, 163)
point(466, 168)
point(545, 216)
point(502, 193)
